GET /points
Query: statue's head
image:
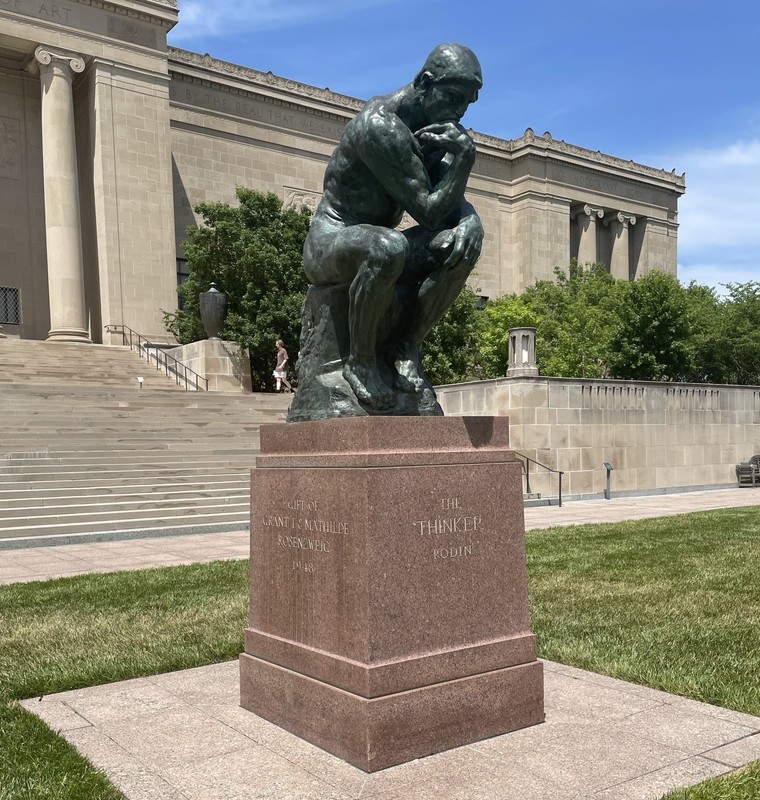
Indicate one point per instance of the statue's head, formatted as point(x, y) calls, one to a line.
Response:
point(450, 80)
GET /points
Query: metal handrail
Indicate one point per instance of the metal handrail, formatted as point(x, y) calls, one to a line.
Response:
point(181, 372)
point(526, 469)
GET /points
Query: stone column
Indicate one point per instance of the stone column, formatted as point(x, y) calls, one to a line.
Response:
point(587, 250)
point(620, 260)
point(63, 226)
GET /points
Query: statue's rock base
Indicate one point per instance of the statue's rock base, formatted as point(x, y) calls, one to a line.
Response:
point(323, 392)
point(389, 603)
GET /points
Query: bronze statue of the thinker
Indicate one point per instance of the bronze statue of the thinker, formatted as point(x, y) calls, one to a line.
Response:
point(376, 291)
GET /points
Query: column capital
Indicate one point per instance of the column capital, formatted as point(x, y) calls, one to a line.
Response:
point(622, 219)
point(46, 56)
point(588, 211)
point(626, 219)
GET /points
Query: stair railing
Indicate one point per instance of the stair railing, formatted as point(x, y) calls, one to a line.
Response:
point(171, 367)
point(526, 461)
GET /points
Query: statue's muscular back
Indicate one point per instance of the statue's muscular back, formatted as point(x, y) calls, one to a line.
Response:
point(353, 194)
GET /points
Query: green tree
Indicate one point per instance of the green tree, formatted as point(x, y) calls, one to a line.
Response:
point(741, 333)
point(449, 351)
point(498, 316)
point(707, 340)
point(253, 252)
point(652, 330)
point(576, 318)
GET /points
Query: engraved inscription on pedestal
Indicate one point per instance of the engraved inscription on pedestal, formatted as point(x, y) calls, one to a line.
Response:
point(453, 533)
point(389, 608)
point(305, 532)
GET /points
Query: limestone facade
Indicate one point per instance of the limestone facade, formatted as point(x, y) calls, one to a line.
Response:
point(657, 436)
point(95, 238)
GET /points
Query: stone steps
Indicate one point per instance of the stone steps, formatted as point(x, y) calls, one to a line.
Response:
point(97, 484)
point(71, 472)
point(27, 362)
point(30, 502)
point(178, 453)
point(192, 521)
point(112, 508)
point(85, 454)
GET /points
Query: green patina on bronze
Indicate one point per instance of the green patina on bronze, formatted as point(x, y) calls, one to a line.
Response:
point(377, 291)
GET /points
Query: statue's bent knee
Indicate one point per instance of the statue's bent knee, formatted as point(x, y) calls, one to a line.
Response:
point(390, 246)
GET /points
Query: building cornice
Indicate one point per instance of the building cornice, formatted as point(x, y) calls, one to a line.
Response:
point(529, 144)
point(491, 146)
point(301, 91)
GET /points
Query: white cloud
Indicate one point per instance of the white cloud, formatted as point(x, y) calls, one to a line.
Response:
point(204, 19)
point(719, 233)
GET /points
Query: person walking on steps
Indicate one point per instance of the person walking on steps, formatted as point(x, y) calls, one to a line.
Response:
point(281, 368)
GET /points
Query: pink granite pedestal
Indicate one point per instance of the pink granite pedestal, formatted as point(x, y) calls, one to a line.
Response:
point(388, 593)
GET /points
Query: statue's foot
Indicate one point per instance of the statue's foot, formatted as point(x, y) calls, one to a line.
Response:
point(409, 377)
point(428, 403)
point(368, 386)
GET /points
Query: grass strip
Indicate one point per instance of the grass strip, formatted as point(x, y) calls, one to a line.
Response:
point(93, 629)
point(672, 603)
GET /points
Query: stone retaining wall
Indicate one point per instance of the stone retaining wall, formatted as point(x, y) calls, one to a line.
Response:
point(657, 436)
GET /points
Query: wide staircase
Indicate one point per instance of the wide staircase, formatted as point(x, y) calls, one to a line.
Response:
point(86, 448)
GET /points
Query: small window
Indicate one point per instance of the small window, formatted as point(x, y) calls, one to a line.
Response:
point(183, 272)
point(10, 306)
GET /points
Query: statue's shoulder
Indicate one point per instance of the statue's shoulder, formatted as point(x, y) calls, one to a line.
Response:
point(378, 123)
point(373, 112)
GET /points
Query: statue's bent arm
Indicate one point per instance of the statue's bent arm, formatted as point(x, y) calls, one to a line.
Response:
point(393, 155)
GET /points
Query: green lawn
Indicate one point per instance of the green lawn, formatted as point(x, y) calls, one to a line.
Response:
point(93, 629)
point(673, 603)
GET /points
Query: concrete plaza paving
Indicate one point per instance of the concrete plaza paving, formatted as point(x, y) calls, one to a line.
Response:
point(183, 736)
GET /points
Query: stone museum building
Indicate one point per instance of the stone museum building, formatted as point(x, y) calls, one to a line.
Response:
point(108, 138)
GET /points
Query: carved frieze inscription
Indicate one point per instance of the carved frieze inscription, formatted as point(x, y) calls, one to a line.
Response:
point(608, 186)
point(66, 13)
point(10, 154)
point(237, 105)
point(491, 168)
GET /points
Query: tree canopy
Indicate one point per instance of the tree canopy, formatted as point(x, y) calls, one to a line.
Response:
point(253, 252)
point(588, 324)
point(650, 334)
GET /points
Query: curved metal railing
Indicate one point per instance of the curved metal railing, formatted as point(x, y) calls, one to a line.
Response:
point(163, 361)
point(526, 461)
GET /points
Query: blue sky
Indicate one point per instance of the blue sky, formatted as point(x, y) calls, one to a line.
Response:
point(670, 83)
